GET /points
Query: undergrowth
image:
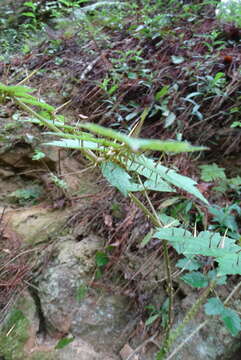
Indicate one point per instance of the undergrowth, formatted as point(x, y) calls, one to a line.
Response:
point(126, 163)
point(161, 70)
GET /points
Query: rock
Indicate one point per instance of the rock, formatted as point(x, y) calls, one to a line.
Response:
point(19, 329)
point(81, 350)
point(35, 224)
point(19, 338)
point(70, 306)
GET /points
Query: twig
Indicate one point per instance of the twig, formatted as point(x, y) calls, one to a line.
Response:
point(150, 339)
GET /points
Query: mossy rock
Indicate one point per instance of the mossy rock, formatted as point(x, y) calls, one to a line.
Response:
point(14, 336)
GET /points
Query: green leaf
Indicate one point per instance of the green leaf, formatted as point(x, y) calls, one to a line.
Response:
point(164, 91)
point(159, 186)
point(154, 171)
point(81, 292)
point(231, 320)
point(142, 144)
point(207, 243)
point(76, 144)
point(171, 117)
point(146, 239)
point(188, 264)
point(214, 306)
point(168, 221)
point(220, 280)
point(63, 342)
point(212, 172)
point(35, 102)
point(151, 319)
point(195, 279)
point(230, 264)
point(224, 216)
point(119, 178)
point(101, 258)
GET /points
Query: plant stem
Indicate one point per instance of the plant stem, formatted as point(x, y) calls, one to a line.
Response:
point(189, 316)
point(88, 153)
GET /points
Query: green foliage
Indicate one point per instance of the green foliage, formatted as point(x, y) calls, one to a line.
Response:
point(229, 12)
point(207, 243)
point(38, 155)
point(63, 342)
point(60, 183)
point(195, 279)
point(188, 264)
point(126, 163)
point(81, 292)
point(225, 217)
point(28, 195)
point(155, 314)
point(230, 317)
point(212, 172)
point(14, 335)
point(101, 259)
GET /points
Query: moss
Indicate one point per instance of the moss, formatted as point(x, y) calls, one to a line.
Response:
point(13, 336)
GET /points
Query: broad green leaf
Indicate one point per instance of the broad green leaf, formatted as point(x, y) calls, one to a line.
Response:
point(168, 221)
point(212, 172)
point(101, 258)
point(195, 279)
point(63, 342)
point(188, 264)
point(213, 275)
point(119, 178)
point(214, 306)
point(154, 171)
point(224, 216)
point(231, 320)
point(160, 186)
point(206, 243)
point(230, 264)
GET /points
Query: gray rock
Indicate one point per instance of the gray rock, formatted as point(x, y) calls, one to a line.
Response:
point(70, 306)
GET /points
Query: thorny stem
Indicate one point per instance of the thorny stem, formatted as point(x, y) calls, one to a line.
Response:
point(189, 316)
point(204, 323)
point(144, 209)
point(88, 153)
